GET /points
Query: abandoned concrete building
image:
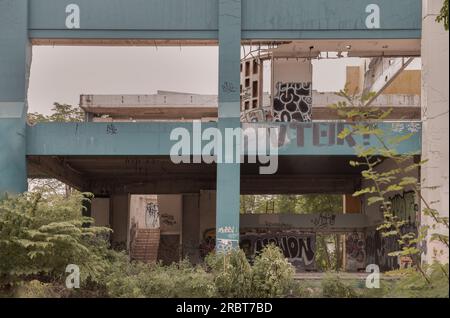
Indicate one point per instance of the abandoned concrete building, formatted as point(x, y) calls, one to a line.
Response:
point(185, 223)
point(159, 209)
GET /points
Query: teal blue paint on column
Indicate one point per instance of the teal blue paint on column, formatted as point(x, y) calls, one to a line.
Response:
point(228, 174)
point(15, 55)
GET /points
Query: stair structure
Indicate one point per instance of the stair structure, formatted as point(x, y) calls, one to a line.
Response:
point(144, 247)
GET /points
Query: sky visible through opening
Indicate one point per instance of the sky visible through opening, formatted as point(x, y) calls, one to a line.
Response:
point(61, 74)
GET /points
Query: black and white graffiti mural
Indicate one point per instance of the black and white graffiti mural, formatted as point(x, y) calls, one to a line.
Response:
point(293, 102)
point(355, 250)
point(378, 248)
point(298, 248)
point(152, 215)
point(405, 207)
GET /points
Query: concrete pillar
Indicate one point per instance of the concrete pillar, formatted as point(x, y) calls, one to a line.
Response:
point(119, 209)
point(100, 211)
point(435, 107)
point(191, 227)
point(228, 174)
point(15, 59)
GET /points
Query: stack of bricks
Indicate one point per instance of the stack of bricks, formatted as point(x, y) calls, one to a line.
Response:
point(145, 245)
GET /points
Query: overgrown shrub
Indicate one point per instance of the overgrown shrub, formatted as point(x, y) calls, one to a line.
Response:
point(41, 235)
point(232, 274)
point(333, 287)
point(137, 280)
point(272, 273)
point(270, 276)
point(299, 289)
point(382, 292)
point(413, 285)
point(37, 289)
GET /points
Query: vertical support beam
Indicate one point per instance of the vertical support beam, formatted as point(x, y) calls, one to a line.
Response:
point(435, 129)
point(15, 59)
point(191, 227)
point(120, 208)
point(228, 174)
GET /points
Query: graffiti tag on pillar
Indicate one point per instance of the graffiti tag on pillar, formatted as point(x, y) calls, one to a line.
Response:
point(228, 87)
point(226, 245)
point(226, 229)
point(111, 129)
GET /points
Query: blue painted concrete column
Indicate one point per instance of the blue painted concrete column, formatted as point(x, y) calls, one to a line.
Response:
point(15, 58)
point(228, 174)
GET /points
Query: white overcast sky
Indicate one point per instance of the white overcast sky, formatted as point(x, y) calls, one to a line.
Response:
point(61, 74)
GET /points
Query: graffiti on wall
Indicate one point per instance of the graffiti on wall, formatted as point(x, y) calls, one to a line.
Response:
point(355, 252)
point(293, 102)
point(378, 247)
point(323, 221)
point(152, 215)
point(404, 206)
point(298, 248)
point(168, 219)
point(317, 135)
point(256, 115)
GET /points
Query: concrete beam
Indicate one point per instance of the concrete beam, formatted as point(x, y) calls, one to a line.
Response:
point(198, 19)
point(161, 186)
point(292, 184)
point(153, 138)
point(54, 167)
point(181, 106)
point(317, 222)
point(299, 184)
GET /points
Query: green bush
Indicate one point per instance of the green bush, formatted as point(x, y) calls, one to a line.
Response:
point(385, 287)
point(412, 284)
point(232, 274)
point(333, 287)
point(40, 235)
point(37, 289)
point(138, 280)
point(299, 289)
point(270, 276)
point(272, 273)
